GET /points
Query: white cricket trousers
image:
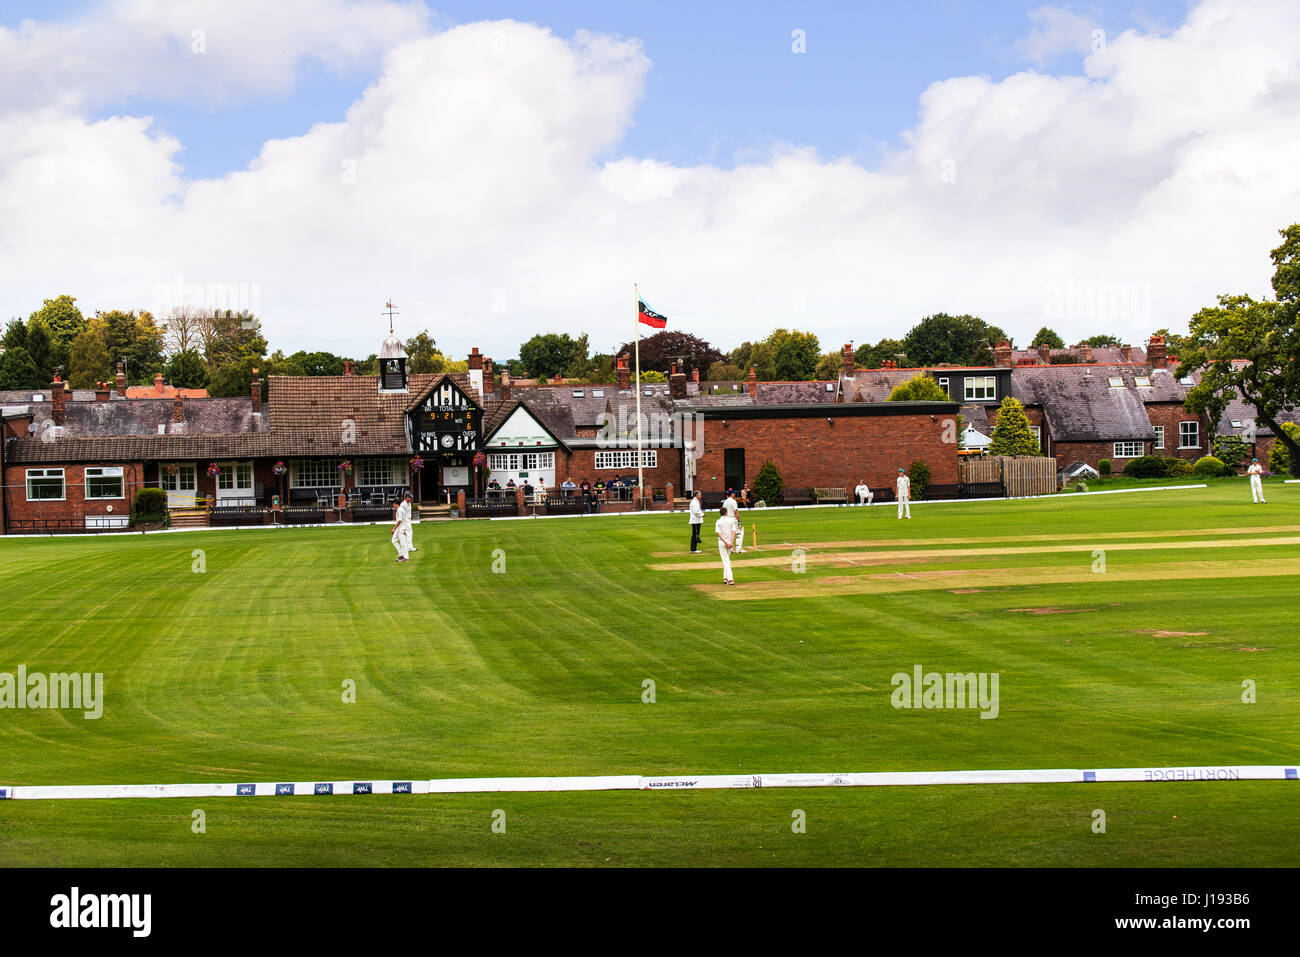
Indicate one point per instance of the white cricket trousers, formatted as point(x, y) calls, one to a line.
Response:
point(726, 560)
point(740, 539)
point(865, 499)
point(1256, 489)
point(401, 543)
point(905, 507)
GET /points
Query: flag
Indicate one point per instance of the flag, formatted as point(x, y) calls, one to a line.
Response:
point(649, 316)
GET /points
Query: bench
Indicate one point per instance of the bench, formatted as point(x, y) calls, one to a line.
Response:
point(937, 492)
point(830, 495)
point(227, 516)
point(566, 505)
point(490, 507)
point(797, 496)
point(304, 515)
point(981, 490)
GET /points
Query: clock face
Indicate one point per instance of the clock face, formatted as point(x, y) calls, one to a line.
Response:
point(448, 441)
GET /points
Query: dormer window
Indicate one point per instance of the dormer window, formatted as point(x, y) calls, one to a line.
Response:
point(1116, 382)
point(1142, 382)
point(578, 393)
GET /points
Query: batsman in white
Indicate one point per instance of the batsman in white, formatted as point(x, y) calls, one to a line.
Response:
point(725, 528)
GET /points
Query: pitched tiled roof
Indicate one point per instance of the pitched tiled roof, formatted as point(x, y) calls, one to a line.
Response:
point(876, 384)
point(131, 448)
point(792, 393)
point(1080, 405)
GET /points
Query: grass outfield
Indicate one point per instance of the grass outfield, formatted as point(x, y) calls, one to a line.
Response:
point(236, 674)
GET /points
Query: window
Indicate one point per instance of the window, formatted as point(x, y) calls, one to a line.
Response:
point(315, 473)
point(943, 384)
point(504, 462)
point(1160, 436)
point(104, 482)
point(1116, 382)
point(578, 393)
point(626, 459)
point(598, 393)
point(1186, 380)
point(1038, 434)
point(380, 472)
point(44, 485)
point(981, 387)
point(182, 480)
point(1142, 382)
point(1189, 435)
point(1128, 450)
point(538, 460)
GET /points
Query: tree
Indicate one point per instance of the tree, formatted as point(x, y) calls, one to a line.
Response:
point(873, 357)
point(1099, 341)
point(319, 363)
point(41, 348)
point(186, 370)
point(230, 337)
point(62, 319)
point(423, 356)
point(15, 336)
point(829, 366)
point(918, 388)
point(760, 356)
point(653, 375)
point(135, 339)
point(1265, 334)
point(89, 362)
point(234, 379)
point(18, 371)
point(184, 329)
point(1046, 337)
point(795, 354)
point(1279, 459)
point(767, 483)
point(725, 372)
point(549, 354)
point(1012, 435)
point(941, 338)
point(669, 345)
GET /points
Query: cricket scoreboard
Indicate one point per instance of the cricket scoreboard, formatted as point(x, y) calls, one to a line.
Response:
point(447, 422)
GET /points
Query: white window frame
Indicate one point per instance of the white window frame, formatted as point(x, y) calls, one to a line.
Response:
point(1160, 436)
point(1142, 382)
point(503, 461)
point(943, 384)
point(183, 470)
point(101, 473)
point(379, 471)
point(1038, 434)
point(619, 459)
point(1116, 382)
point(47, 474)
point(538, 461)
point(986, 390)
point(1183, 432)
point(1128, 452)
point(319, 468)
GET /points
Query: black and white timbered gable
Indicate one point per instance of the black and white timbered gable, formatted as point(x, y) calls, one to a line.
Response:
point(445, 421)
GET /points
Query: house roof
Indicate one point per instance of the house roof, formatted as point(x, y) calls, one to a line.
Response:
point(131, 448)
point(790, 393)
point(1080, 404)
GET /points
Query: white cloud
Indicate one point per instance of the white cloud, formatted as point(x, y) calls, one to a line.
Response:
point(1056, 31)
point(469, 183)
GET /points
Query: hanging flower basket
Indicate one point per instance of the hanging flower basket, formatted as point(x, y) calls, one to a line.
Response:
point(417, 463)
point(346, 466)
point(279, 468)
point(214, 469)
point(171, 468)
point(480, 460)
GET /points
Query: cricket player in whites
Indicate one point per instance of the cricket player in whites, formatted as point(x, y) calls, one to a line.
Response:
point(904, 485)
point(725, 528)
point(402, 529)
point(1256, 483)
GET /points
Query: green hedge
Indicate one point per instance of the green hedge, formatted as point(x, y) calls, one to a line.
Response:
point(920, 476)
point(767, 484)
point(150, 505)
point(1209, 466)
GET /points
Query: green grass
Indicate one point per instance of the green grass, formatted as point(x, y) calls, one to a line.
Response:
point(237, 674)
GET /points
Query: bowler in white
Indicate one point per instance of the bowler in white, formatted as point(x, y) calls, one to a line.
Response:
point(725, 528)
point(402, 529)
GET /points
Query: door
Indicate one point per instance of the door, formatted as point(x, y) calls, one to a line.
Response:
point(235, 483)
point(179, 485)
point(733, 467)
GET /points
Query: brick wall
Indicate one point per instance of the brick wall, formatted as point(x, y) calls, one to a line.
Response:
point(74, 506)
point(1067, 453)
point(809, 451)
point(581, 463)
point(1169, 415)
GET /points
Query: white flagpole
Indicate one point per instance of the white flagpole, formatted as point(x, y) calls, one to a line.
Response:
point(636, 384)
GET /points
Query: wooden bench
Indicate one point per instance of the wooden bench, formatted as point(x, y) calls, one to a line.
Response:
point(797, 496)
point(229, 516)
point(566, 505)
point(490, 507)
point(981, 490)
point(830, 495)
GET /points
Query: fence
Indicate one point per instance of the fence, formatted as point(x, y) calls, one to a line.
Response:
point(1021, 475)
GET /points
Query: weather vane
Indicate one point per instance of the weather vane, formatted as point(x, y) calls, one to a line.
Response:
point(391, 311)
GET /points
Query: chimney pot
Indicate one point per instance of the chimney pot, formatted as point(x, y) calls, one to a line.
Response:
point(255, 389)
point(120, 381)
point(624, 374)
point(1126, 351)
point(753, 384)
point(846, 366)
point(178, 408)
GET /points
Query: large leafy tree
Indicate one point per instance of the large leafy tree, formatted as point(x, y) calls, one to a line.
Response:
point(795, 354)
point(941, 338)
point(759, 356)
point(1047, 337)
point(1012, 435)
point(548, 354)
point(186, 370)
point(235, 378)
point(89, 361)
point(62, 319)
point(1102, 339)
point(662, 349)
point(918, 388)
point(44, 351)
point(136, 340)
point(1264, 334)
point(873, 357)
point(18, 371)
point(230, 337)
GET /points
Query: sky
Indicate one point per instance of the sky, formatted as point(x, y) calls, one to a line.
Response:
point(500, 169)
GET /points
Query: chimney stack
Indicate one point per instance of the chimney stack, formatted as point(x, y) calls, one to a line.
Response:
point(1002, 355)
point(753, 384)
point(1126, 351)
point(677, 384)
point(846, 365)
point(505, 384)
point(178, 407)
point(1156, 352)
point(695, 376)
point(624, 374)
point(120, 381)
point(1044, 353)
point(347, 367)
point(256, 388)
point(475, 360)
point(102, 392)
point(1087, 352)
point(58, 400)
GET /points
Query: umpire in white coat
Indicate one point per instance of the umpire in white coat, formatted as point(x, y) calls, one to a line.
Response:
point(402, 529)
point(697, 521)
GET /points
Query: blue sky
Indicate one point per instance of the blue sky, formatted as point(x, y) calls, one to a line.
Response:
point(724, 87)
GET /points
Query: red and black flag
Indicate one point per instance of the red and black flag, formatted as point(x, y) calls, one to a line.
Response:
point(649, 316)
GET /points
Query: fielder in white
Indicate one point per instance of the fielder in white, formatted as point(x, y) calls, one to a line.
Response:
point(1256, 483)
point(725, 528)
point(904, 486)
point(863, 494)
point(402, 529)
